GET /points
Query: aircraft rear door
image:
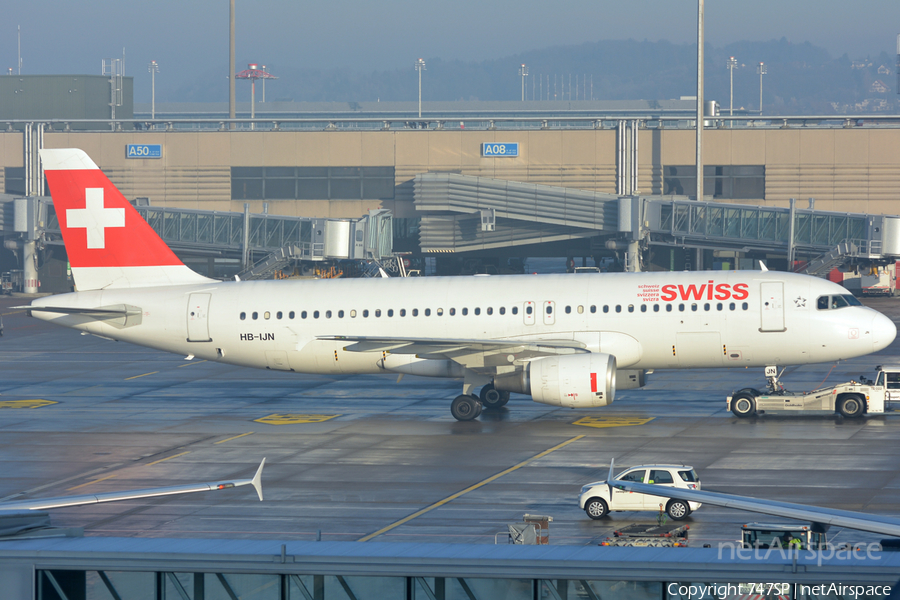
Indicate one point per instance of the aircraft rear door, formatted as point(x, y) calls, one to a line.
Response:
point(197, 318)
point(771, 307)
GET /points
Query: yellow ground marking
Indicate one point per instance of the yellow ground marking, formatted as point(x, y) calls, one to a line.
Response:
point(193, 362)
point(144, 375)
point(15, 312)
point(469, 489)
point(232, 438)
point(91, 482)
point(601, 422)
point(291, 419)
point(167, 458)
point(36, 403)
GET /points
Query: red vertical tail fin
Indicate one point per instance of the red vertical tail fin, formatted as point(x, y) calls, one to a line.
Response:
point(108, 243)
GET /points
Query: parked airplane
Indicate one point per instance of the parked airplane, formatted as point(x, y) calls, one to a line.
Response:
point(559, 338)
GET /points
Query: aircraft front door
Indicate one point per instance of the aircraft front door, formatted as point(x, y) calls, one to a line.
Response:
point(771, 308)
point(198, 318)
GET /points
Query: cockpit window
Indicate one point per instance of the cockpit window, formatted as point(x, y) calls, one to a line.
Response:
point(833, 302)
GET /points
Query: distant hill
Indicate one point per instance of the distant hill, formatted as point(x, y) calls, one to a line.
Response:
point(801, 79)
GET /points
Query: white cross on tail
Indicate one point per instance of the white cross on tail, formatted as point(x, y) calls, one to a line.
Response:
point(95, 218)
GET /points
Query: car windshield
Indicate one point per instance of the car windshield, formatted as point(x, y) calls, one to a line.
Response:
point(690, 475)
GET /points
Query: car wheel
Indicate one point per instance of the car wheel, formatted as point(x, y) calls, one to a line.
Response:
point(677, 509)
point(596, 508)
point(743, 405)
point(851, 406)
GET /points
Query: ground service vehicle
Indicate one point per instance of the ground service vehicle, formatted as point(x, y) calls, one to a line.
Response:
point(851, 399)
point(650, 536)
point(769, 535)
point(598, 499)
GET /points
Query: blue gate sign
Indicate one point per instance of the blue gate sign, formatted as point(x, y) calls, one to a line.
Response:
point(508, 149)
point(143, 151)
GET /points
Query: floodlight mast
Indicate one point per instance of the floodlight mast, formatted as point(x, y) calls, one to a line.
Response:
point(153, 68)
point(762, 70)
point(523, 71)
point(420, 66)
point(731, 64)
point(699, 159)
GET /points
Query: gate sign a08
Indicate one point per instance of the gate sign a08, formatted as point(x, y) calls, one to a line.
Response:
point(508, 149)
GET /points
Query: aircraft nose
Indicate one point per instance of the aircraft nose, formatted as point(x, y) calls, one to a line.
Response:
point(883, 332)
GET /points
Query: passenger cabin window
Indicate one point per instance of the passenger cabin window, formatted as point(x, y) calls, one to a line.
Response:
point(291, 315)
point(515, 310)
point(267, 315)
point(452, 312)
point(660, 476)
point(643, 308)
point(243, 316)
point(635, 476)
point(366, 313)
point(593, 308)
point(352, 314)
point(340, 314)
point(402, 312)
point(327, 314)
point(303, 315)
point(278, 315)
point(427, 312)
point(631, 308)
point(618, 308)
point(390, 312)
point(606, 308)
point(440, 312)
point(315, 314)
point(478, 311)
point(255, 316)
point(656, 308)
point(529, 309)
point(415, 312)
point(502, 310)
point(377, 312)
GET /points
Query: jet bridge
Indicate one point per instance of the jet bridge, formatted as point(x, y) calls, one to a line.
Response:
point(453, 209)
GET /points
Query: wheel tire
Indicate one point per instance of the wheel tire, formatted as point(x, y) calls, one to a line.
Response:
point(852, 406)
point(596, 508)
point(465, 408)
point(743, 404)
point(493, 398)
point(678, 509)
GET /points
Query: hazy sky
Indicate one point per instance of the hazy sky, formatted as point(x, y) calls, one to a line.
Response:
point(191, 36)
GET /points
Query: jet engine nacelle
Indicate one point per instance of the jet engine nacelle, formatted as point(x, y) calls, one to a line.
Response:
point(573, 380)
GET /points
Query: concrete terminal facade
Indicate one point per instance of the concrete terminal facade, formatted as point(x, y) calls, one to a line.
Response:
point(347, 171)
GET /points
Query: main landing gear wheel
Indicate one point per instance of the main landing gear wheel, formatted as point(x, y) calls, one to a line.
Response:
point(465, 408)
point(851, 406)
point(743, 405)
point(493, 398)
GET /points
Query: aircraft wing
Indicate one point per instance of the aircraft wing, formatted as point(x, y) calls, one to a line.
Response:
point(801, 512)
point(44, 503)
point(476, 354)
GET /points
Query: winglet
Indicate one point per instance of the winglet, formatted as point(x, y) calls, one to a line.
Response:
point(763, 267)
point(256, 482)
point(610, 476)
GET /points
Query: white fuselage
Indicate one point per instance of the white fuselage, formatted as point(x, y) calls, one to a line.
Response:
point(646, 320)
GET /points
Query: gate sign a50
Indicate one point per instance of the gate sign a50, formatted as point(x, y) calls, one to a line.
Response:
point(508, 149)
point(143, 151)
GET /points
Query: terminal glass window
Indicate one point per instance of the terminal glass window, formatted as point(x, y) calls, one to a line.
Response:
point(312, 183)
point(738, 182)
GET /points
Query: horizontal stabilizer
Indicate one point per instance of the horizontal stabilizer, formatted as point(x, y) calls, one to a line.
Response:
point(63, 501)
point(800, 512)
point(68, 310)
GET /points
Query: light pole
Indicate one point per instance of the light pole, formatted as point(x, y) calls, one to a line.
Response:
point(153, 67)
point(523, 71)
point(699, 160)
point(732, 63)
point(420, 66)
point(264, 85)
point(761, 69)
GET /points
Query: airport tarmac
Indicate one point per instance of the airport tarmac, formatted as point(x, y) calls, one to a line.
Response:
point(367, 457)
